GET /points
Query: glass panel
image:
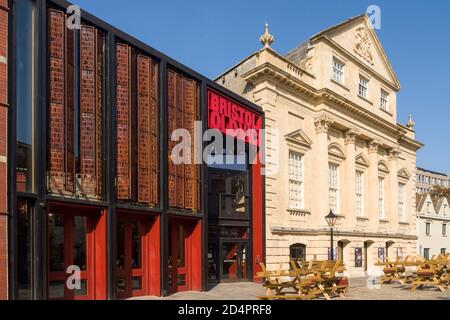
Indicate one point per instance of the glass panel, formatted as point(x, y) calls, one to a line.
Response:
point(136, 283)
point(230, 261)
point(243, 262)
point(181, 247)
point(56, 289)
point(83, 290)
point(79, 242)
point(136, 239)
point(56, 234)
point(181, 279)
point(24, 70)
point(24, 249)
point(120, 263)
point(212, 262)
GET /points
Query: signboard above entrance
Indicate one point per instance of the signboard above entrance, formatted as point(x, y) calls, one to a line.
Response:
point(229, 117)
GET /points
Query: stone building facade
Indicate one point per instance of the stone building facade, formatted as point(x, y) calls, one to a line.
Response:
point(333, 142)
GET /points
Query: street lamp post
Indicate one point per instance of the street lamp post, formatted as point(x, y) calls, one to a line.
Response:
point(331, 219)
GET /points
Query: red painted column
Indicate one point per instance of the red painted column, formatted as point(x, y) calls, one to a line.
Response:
point(257, 224)
point(3, 149)
point(154, 272)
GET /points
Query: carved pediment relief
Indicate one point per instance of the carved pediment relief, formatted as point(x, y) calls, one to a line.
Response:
point(299, 138)
point(363, 45)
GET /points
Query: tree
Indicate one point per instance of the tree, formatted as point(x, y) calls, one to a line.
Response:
point(439, 192)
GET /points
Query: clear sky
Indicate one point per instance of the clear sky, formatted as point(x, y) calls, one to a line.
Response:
point(211, 35)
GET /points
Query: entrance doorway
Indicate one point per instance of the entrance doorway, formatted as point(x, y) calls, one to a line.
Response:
point(184, 255)
point(234, 265)
point(76, 245)
point(132, 264)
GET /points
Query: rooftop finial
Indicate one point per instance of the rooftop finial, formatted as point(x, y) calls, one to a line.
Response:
point(410, 125)
point(267, 39)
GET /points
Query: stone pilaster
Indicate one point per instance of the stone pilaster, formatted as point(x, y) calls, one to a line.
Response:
point(321, 168)
point(393, 189)
point(350, 173)
point(373, 184)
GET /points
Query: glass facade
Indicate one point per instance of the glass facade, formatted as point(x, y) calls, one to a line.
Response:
point(25, 94)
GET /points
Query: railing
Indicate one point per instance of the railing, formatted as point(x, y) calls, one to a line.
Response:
point(362, 222)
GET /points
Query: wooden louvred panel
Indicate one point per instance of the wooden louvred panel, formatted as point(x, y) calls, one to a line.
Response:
point(123, 120)
point(154, 129)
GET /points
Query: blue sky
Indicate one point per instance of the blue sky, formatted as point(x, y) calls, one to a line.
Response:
point(210, 36)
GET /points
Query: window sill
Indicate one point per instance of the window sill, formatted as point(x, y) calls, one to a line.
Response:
point(362, 218)
point(365, 99)
point(403, 223)
point(386, 111)
point(383, 220)
point(340, 84)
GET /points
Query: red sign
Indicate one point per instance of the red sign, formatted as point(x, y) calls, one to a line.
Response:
point(233, 119)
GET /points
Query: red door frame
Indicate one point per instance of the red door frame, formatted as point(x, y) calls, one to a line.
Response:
point(192, 254)
point(149, 230)
point(95, 273)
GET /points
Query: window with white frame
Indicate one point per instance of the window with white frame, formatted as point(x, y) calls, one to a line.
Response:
point(401, 202)
point(427, 228)
point(333, 178)
point(338, 71)
point(445, 209)
point(381, 198)
point(384, 100)
point(359, 194)
point(363, 87)
point(444, 229)
point(295, 180)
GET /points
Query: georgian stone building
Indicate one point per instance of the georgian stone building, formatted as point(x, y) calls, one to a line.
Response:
point(335, 144)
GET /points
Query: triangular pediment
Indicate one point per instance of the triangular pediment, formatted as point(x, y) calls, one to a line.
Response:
point(362, 160)
point(404, 173)
point(357, 37)
point(300, 138)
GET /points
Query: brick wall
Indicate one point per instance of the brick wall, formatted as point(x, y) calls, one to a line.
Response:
point(3, 149)
point(184, 179)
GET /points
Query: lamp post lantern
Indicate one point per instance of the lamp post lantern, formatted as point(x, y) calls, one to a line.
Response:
point(331, 219)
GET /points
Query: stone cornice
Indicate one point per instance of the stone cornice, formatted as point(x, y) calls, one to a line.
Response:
point(326, 232)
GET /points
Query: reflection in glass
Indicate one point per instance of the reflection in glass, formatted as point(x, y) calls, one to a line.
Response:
point(234, 261)
point(136, 283)
point(79, 242)
point(24, 249)
point(56, 234)
point(24, 71)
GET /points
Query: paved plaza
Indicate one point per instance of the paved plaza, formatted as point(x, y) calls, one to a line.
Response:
point(358, 291)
